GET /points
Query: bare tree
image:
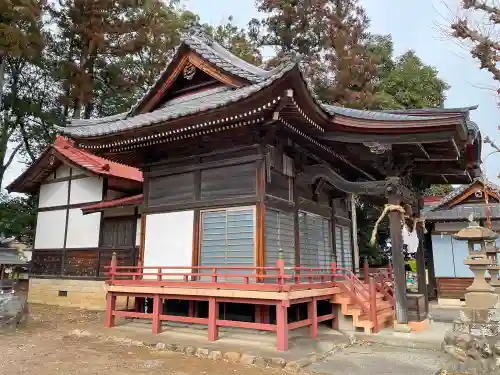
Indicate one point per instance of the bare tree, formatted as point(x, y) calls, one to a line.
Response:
point(479, 24)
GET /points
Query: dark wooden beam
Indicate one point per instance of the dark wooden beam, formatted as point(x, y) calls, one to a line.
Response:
point(398, 261)
point(421, 273)
point(347, 137)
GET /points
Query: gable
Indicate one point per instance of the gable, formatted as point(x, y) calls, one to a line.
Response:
point(186, 74)
point(476, 193)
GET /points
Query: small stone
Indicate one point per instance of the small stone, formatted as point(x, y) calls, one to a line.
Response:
point(497, 348)
point(277, 362)
point(485, 350)
point(296, 366)
point(172, 347)
point(202, 353)
point(137, 343)
point(232, 356)
point(463, 341)
point(190, 350)
point(215, 355)
point(260, 362)
point(247, 359)
point(80, 333)
point(160, 346)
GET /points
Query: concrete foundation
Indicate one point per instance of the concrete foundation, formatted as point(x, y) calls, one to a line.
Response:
point(84, 294)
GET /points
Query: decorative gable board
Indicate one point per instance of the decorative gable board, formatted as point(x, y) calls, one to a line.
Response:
point(187, 73)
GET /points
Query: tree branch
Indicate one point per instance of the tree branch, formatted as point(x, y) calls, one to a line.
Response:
point(12, 155)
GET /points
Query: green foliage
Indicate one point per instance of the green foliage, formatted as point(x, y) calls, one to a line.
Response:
point(236, 40)
point(330, 37)
point(17, 217)
point(410, 84)
point(438, 190)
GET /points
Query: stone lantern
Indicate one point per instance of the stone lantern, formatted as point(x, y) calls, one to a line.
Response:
point(480, 295)
point(493, 268)
point(474, 342)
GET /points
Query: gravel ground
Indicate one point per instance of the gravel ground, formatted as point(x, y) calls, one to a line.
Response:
point(44, 348)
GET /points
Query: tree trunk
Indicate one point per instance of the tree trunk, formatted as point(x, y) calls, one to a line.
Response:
point(2, 79)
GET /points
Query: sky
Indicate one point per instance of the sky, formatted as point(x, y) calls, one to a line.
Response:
point(418, 25)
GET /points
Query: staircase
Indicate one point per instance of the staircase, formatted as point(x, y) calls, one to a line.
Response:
point(356, 299)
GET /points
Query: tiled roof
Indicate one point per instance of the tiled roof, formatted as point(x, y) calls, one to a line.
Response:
point(212, 51)
point(196, 40)
point(433, 110)
point(10, 256)
point(461, 212)
point(372, 115)
point(189, 105)
point(120, 202)
point(95, 164)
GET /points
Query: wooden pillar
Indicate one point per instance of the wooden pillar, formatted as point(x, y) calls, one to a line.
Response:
point(432, 290)
point(142, 244)
point(354, 227)
point(260, 242)
point(110, 309)
point(312, 313)
point(156, 314)
point(281, 326)
point(421, 274)
point(258, 314)
point(398, 261)
point(335, 320)
point(191, 312)
point(213, 315)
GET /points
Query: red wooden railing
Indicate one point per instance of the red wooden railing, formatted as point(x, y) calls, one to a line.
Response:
point(383, 278)
point(275, 278)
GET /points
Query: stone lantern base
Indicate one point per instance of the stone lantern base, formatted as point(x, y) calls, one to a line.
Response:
point(473, 345)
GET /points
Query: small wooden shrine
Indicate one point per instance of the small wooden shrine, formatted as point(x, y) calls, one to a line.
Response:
point(445, 216)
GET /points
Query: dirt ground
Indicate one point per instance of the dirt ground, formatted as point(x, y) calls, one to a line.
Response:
point(44, 348)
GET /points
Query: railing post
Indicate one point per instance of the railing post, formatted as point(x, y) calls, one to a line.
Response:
point(139, 271)
point(157, 311)
point(366, 271)
point(214, 275)
point(213, 315)
point(158, 275)
point(280, 263)
point(373, 305)
point(333, 267)
point(114, 263)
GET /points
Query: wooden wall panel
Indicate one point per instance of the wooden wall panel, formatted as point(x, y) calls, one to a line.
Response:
point(279, 186)
point(46, 262)
point(453, 287)
point(171, 189)
point(81, 263)
point(228, 182)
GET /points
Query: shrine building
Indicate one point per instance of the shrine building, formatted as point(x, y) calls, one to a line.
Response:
point(243, 177)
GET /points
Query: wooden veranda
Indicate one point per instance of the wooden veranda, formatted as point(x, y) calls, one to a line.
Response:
point(276, 287)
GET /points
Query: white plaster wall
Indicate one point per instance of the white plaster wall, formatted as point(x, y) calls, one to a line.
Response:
point(86, 190)
point(83, 230)
point(55, 194)
point(77, 171)
point(138, 233)
point(50, 229)
point(169, 239)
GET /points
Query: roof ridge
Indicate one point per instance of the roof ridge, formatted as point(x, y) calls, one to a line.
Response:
point(456, 192)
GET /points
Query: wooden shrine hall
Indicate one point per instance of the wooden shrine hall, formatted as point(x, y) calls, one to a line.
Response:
point(226, 193)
